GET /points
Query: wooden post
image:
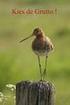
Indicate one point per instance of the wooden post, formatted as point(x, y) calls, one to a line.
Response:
point(34, 93)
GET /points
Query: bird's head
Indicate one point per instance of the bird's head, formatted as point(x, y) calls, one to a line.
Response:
point(36, 32)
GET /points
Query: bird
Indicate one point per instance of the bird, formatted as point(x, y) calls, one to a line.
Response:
point(41, 46)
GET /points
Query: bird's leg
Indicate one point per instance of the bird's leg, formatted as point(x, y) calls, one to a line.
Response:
point(40, 67)
point(44, 72)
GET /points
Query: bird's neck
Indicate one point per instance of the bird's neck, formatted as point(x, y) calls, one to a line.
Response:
point(39, 36)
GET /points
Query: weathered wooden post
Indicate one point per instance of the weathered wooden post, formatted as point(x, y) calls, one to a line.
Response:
point(34, 93)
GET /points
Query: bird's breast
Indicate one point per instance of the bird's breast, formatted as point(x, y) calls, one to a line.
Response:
point(41, 46)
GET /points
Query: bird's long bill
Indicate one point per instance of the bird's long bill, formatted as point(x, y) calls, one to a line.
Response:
point(26, 38)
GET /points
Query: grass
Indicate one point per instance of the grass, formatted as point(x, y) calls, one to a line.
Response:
point(18, 62)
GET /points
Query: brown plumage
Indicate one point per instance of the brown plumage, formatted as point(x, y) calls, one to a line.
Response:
point(41, 46)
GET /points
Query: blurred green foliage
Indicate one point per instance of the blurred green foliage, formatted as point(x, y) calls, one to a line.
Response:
point(18, 62)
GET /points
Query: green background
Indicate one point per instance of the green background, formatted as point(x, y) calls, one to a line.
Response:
point(18, 62)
